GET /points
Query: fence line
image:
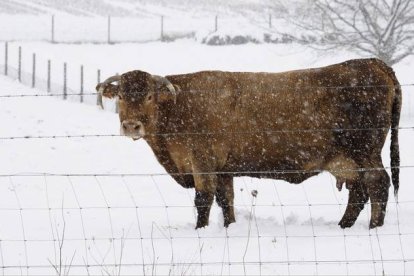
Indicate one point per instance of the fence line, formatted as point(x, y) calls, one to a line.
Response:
point(140, 206)
point(77, 93)
point(336, 130)
point(206, 91)
point(113, 259)
point(296, 262)
point(236, 173)
point(106, 30)
point(58, 88)
point(170, 240)
point(112, 239)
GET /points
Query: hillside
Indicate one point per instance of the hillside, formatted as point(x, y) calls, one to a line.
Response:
point(143, 222)
point(136, 8)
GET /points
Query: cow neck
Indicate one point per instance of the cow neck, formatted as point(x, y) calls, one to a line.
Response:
point(158, 144)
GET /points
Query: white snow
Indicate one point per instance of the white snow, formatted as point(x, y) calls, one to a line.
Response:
point(291, 228)
point(120, 213)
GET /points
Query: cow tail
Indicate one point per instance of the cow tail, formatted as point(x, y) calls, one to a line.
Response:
point(395, 149)
point(395, 120)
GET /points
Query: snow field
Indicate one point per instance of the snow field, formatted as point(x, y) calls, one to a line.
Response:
point(149, 225)
point(169, 58)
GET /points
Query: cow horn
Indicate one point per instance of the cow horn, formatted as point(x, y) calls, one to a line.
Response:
point(112, 79)
point(164, 81)
point(108, 81)
point(101, 87)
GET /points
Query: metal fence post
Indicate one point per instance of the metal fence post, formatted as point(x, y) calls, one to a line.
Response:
point(270, 21)
point(48, 75)
point(6, 57)
point(19, 67)
point(53, 29)
point(99, 96)
point(216, 23)
point(34, 71)
point(109, 29)
point(65, 91)
point(81, 84)
point(117, 101)
point(162, 28)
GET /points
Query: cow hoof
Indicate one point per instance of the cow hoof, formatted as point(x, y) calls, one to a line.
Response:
point(373, 224)
point(346, 223)
point(201, 224)
point(227, 222)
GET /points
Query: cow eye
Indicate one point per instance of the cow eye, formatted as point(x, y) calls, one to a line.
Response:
point(119, 97)
point(149, 98)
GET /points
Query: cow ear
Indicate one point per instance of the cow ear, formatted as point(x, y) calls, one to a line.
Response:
point(108, 90)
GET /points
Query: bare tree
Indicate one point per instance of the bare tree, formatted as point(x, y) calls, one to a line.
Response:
point(380, 28)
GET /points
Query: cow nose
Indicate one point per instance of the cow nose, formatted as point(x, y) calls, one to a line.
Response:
point(131, 125)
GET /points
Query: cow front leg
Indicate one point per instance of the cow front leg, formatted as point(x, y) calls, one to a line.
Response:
point(205, 182)
point(225, 198)
point(203, 201)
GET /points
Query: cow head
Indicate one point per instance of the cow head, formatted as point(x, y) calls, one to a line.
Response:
point(140, 95)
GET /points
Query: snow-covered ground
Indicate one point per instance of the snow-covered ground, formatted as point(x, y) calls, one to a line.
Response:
point(137, 8)
point(145, 223)
point(182, 56)
point(80, 21)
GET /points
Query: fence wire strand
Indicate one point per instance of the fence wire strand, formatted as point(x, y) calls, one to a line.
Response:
point(160, 233)
point(17, 95)
point(220, 133)
point(175, 264)
point(267, 173)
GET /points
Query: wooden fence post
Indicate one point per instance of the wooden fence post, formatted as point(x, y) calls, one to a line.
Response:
point(34, 71)
point(48, 76)
point(65, 91)
point(117, 102)
point(270, 21)
point(216, 23)
point(109, 29)
point(6, 57)
point(162, 28)
point(99, 96)
point(52, 35)
point(19, 67)
point(81, 84)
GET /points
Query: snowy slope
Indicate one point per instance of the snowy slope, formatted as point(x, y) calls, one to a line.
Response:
point(145, 224)
point(179, 57)
point(135, 7)
point(83, 21)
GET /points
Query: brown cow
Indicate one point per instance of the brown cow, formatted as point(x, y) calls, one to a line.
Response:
point(206, 128)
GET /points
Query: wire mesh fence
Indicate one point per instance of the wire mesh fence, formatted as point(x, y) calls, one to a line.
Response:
point(77, 83)
point(145, 225)
point(115, 29)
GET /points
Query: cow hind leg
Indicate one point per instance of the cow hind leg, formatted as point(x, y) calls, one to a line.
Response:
point(345, 169)
point(225, 198)
point(356, 200)
point(378, 183)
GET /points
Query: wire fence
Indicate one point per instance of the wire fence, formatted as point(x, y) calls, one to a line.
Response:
point(77, 83)
point(111, 29)
point(54, 225)
point(143, 223)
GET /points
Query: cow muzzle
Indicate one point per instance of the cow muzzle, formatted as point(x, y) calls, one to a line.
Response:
point(133, 129)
